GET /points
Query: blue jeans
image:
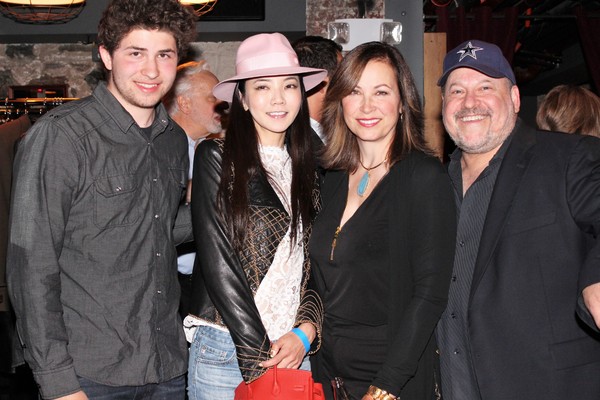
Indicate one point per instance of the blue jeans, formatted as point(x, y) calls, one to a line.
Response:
point(173, 389)
point(213, 372)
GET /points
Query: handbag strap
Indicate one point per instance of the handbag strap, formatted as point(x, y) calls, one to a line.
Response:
point(276, 388)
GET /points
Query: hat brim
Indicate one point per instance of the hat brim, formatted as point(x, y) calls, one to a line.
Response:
point(311, 77)
point(491, 72)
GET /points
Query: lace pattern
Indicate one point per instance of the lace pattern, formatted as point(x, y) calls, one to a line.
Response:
point(278, 296)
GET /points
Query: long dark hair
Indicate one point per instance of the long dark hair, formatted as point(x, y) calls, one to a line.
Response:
point(342, 150)
point(241, 163)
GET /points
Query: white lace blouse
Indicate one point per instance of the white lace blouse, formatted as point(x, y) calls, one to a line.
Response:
point(278, 295)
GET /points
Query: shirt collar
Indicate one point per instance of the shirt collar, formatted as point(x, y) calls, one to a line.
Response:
point(316, 126)
point(122, 118)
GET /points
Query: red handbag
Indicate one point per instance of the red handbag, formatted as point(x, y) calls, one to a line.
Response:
point(281, 384)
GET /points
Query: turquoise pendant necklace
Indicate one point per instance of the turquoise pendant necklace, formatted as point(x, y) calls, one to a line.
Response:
point(363, 185)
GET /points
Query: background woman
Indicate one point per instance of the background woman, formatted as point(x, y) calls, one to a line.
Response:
point(570, 109)
point(253, 201)
point(382, 247)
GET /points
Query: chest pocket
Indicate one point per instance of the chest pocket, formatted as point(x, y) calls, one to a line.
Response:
point(116, 201)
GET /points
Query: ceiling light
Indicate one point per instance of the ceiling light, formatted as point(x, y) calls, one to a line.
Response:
point(41, 11)
point(351, 32)
point(200, 7)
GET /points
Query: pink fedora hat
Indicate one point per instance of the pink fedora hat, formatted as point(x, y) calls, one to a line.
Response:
point(267, 54)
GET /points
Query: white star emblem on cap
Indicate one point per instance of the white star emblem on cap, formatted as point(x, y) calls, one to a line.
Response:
point(468, 50)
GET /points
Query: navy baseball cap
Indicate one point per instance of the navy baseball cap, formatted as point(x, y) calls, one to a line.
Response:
point(484, 57)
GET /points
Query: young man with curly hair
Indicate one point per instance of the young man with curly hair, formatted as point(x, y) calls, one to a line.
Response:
point(98, 182)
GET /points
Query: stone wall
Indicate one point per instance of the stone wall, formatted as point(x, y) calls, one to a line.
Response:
point(50, 64)
point(72, 64)
point(320, 12)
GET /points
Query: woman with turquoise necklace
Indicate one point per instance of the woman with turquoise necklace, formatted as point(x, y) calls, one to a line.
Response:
point(382, 246)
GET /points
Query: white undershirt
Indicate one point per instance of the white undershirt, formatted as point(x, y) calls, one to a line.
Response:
point(317, 127)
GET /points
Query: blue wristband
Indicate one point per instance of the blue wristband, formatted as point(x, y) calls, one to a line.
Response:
point(298, 332)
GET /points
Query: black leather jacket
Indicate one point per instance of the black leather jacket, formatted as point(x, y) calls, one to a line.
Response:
point(224, 282)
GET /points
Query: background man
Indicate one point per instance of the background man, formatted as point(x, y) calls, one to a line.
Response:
point(527, 243)
point(192, 105)
point(318, 52)
point(91, 257)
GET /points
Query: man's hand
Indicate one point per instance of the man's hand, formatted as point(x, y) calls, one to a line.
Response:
point(75, 396)
point(188, 192)
point(591, 298)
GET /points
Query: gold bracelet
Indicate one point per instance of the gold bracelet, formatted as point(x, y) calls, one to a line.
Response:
point(380, 394)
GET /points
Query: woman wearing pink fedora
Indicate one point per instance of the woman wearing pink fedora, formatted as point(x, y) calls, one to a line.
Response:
point(255, 195)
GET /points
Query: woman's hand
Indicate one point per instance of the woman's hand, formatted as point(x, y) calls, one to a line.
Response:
point(288, 351)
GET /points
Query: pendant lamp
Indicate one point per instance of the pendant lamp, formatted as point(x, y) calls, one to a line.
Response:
point(41, 11)
point(200, 7)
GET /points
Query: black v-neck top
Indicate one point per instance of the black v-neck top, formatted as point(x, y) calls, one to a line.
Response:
point(354, 284)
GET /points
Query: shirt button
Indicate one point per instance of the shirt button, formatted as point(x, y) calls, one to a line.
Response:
point(461, 243)
point(456, 351)
point(158, 254)
point(155, 216)
point(154, 179)
point(158, 329)
point(454, 278)
point(453, 315)
point(159, 291)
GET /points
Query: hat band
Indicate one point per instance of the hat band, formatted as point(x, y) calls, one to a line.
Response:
point(264, 61)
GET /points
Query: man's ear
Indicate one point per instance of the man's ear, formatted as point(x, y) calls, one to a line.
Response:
point(183, 103)
point(516, 98)
point(323, 85)
point(106, 57)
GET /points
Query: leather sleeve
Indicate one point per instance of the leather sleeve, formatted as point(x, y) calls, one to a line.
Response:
point(220, 267)
point(311, 311)
point(311, 306)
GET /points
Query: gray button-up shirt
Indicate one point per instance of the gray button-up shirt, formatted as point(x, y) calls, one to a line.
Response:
point(91, 262)
point(459, 381)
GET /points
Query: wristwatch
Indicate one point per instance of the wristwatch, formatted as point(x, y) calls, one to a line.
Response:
point(380, 394)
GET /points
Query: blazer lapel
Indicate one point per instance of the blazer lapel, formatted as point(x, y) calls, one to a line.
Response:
point(262, 193)
point(514, 165)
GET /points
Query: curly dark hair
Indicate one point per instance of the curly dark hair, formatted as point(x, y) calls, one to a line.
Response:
point(123, 16)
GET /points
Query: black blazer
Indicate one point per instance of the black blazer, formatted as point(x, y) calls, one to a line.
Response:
point(422, 229)
point(538, 249)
